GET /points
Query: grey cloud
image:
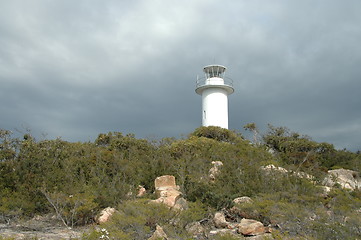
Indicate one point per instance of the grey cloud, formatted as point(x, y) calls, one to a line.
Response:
point(77, 69)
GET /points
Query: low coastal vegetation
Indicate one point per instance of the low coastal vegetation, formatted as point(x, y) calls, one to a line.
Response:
point(75, 180)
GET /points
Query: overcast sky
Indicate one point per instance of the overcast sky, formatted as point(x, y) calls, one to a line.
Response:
point(74, 69)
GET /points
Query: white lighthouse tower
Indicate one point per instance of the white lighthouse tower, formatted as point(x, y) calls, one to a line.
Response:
point(214, 88)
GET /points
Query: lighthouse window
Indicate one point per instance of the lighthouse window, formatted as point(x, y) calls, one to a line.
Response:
point(214, 74)
point(204, 115)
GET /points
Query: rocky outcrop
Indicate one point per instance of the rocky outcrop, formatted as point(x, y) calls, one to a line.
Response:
point(272, 168)
point(180, 204)
point(239, 222)
point(105, 215)
point(246, 227)
point(347, 179)
point(168, 193)
point(159, 234)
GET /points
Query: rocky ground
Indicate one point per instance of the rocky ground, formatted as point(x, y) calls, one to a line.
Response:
point(39, 228)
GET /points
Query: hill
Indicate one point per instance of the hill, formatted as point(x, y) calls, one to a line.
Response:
point(75, 181)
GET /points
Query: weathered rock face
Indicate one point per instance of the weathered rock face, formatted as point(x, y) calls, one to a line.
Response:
point(180, 204)
point(158, 234)
point(346, 178)
point(250, 227)
point(105, 215)
point(164, 182)
point(168, 193)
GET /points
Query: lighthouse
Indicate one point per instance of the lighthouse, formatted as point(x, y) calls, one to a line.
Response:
point(214, 89)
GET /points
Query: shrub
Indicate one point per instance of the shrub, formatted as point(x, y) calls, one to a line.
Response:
point(216, 133)
point(225, 236)
point(196, 211)
point(137, 219)
point(306, 215)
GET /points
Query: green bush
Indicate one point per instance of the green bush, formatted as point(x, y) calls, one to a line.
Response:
point(226, 236)
point(217, 133)
point(196, 211)
point(306, 214)
point(136, 219)
point(300, 150)
point(77, 209)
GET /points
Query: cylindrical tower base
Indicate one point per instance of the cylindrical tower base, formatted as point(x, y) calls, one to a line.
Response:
point(215, 107)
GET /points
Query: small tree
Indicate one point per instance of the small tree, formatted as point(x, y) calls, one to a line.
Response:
point(71, 209)
point(253, 128)
point(297, 149)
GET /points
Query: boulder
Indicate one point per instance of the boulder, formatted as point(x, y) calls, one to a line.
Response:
point(220, 221)
point(105, 215)
point(171, 199)
point(241, 200)
point(250, 227)
point(159, 234)
point(168, 193)
point(347, 179)
point(165, 181)
point(181, 204)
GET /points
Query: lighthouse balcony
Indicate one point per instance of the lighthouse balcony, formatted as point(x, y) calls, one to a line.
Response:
point(225, 83)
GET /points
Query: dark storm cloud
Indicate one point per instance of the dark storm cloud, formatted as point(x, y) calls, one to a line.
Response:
point(76, 69)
